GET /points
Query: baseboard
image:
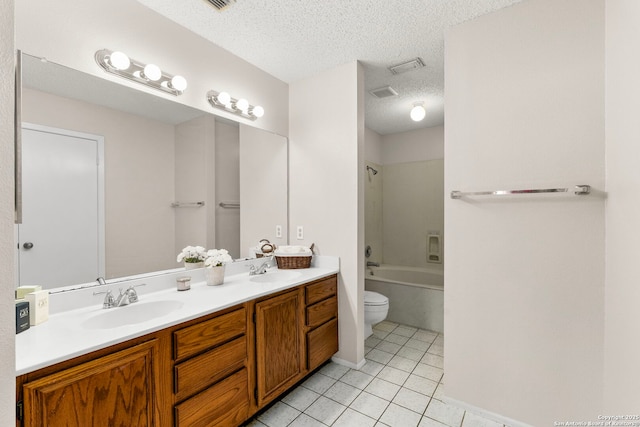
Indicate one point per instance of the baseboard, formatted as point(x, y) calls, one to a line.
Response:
point(348, 364)
point(484, 413)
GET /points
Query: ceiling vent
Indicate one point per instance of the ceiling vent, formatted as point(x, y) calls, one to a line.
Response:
point(383, 92)
point(414, 64)
point(221, 4)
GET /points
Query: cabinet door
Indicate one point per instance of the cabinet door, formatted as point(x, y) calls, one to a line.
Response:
point(116, 390)
point(279, 324)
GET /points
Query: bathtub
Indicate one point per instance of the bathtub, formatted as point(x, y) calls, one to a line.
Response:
point(416, 295)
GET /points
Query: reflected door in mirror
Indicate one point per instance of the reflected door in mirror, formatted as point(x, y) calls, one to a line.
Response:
point(59, 241)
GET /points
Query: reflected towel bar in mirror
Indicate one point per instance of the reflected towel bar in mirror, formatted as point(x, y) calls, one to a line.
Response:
point(578, 190)
point(187, 204)
point(229, 205)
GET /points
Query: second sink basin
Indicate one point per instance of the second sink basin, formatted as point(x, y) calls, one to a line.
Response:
point(131, 314)
point(275, 276)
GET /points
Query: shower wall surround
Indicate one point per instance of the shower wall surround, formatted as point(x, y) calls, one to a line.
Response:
point(412, 207)
point(404, 202)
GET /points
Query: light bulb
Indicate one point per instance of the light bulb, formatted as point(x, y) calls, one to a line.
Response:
point(224, 98)
point(152, 72)
point(119, 60)
point(179, 83)
point(242, 105)
point(418, 113)
point(258, 111)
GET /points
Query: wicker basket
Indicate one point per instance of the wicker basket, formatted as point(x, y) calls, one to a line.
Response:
point(266, 249)
point(294, 262)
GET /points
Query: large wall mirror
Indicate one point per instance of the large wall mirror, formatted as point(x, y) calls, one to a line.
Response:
point(117, 181)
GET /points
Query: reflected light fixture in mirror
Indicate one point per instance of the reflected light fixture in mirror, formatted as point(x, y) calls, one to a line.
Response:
point(241, 106)
point(151, 75)
point(418, 112)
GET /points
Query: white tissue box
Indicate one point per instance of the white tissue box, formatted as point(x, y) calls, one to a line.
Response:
point(21, 291)
point(38, 307)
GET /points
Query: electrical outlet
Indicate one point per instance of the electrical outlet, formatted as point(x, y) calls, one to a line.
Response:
point(278, 231)
point(299, 233)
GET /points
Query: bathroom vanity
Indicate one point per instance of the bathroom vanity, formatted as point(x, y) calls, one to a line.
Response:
point(194, 366)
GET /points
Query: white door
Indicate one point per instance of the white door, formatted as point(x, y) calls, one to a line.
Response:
point(61, 238)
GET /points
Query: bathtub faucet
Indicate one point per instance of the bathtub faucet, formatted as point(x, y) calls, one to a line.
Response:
point(373, 264)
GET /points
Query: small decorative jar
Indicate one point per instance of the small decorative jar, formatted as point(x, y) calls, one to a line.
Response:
point(183, 283)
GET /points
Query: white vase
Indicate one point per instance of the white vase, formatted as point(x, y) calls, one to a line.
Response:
point(215, 275)
point(192, 265)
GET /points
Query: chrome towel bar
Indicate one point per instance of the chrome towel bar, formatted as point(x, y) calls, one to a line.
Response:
point(579, 190)
point(229, 205)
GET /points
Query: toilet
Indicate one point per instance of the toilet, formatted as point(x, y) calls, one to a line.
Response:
point(376, 307)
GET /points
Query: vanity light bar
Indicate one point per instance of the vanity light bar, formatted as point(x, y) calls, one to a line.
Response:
point(241, 106)
point(148, 74)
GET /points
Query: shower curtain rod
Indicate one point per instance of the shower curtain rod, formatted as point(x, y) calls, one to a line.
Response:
point(579, 190)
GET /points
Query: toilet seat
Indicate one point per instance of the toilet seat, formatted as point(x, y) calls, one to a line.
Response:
point(373, 299)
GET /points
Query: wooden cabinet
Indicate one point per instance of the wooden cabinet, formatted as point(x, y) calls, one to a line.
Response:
point(296, 332)
point(224, 404)
point(118, 389)
point(321, 298)
point(217, 370)
point(211, 380)
point(279, 348)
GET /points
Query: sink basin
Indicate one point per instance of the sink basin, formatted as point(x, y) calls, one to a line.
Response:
point(131, 314)
point(276, 276)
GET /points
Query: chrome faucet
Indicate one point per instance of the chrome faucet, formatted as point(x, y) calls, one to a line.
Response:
point(109, 301)
point(124, 298)
point(262, 269)
point(373, 264)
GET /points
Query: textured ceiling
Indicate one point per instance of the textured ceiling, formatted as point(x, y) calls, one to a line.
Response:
point(295, 39)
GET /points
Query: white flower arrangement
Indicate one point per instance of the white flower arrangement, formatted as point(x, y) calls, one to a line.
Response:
point(217, 258)
point(192, 254)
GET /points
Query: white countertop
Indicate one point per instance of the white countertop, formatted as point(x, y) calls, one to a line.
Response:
point(66, 335)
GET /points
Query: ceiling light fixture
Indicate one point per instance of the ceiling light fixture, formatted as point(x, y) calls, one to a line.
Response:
point(148, 74)
point(418, 112)
point(241, 107)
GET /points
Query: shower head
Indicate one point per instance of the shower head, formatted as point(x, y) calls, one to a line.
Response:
point(369, 168)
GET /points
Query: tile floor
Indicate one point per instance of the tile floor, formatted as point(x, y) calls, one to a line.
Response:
point(399, 386)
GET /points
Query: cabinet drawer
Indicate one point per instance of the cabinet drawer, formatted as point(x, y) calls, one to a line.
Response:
point(322, 311)
point(322, 343)
point(201, 371)
point(197, 338)
point(321, 290)
point(224, 404)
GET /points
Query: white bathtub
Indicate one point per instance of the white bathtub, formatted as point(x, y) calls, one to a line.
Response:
point(416, 295)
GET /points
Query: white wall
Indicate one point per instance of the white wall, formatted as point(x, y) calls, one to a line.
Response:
point(263, 159)
point(138, 156)
point(195, 181)
point(412, 146)
point(227, 188)
point(372, 146)
point(524, 300)
point(622, 328)
point(7, 294)
point(326, 185)
point(69, 32)
point(373, 203)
